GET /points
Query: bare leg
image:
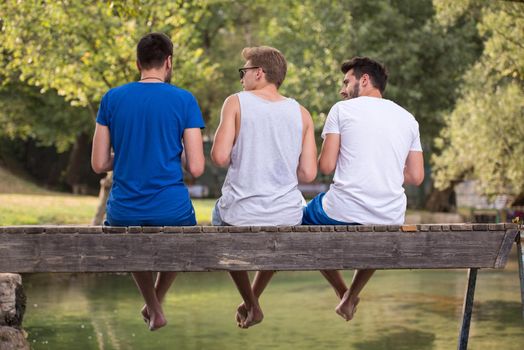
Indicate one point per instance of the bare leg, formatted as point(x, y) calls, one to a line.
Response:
point(347, 306)
point(146, 285)
point(254, 313)
point(260, 283)
point(334, 278)
point(164, 280)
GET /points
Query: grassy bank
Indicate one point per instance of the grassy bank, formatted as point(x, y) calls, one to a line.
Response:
point(24, 203)
point(53, 208)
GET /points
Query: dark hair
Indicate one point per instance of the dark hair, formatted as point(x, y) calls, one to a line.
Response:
point(365, 65)
point(153, 49)
point(270, 60)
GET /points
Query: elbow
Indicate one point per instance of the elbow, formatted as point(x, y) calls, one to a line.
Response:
point(417, 181)
point(196, 171)
point(326, 168)
point(98, 167)
point(220, 160)
point(307, 175)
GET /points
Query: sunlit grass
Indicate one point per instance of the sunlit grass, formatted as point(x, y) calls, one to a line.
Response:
point(58, 209)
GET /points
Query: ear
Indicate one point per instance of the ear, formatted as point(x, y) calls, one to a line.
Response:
point(365, 80)
point(138, 66)
point(260, 73)
point(169, 62)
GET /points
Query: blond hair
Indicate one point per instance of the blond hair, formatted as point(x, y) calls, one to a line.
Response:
point(270, 60)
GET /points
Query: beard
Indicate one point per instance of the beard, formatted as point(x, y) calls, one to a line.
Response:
point(167, 79)
point(355, 92)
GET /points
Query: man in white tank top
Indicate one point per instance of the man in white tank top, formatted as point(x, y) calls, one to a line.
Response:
point(268, 142)
point(373, 146)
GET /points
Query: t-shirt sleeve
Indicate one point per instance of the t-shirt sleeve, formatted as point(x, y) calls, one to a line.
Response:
point(415, 144)
point(102, 117)
point(194, 115)
point(332, 125)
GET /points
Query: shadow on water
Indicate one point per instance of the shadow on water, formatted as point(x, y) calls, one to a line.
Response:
point(500, 312)
point(404, 338)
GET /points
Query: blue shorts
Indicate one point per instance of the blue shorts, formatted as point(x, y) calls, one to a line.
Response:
point(314, 214)
point(187, 221)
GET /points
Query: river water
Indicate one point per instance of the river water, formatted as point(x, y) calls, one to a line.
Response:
point(402, 309)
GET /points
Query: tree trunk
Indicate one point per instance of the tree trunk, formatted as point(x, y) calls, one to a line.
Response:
point(79, 164)
point(442, 201)
point(105, 187)
point(12, 308)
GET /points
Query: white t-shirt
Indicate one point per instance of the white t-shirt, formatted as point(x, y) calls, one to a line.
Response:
point(376, 136)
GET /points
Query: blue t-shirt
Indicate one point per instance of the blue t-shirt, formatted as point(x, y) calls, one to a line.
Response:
point(146, 122)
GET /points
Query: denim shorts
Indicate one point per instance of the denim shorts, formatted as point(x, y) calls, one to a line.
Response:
point(314, 214)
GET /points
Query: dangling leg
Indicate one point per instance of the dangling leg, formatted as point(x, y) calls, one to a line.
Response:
point(254, 312)
point(146, 285)
point(350, 300)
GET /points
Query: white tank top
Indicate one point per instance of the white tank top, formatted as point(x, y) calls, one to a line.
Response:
point(261, 183)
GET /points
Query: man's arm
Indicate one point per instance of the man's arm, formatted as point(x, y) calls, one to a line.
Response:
point(307, 164)
point(327, 161)
point(226, 132)
point(101, 156)
point(414, 169)
point(193, 157)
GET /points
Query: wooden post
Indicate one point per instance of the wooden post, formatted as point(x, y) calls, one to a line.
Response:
point(12, 307)
point(520, 257)
point(467, 309)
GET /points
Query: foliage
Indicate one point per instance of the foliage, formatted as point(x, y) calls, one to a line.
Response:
point(423, 56)
point(80, 49)
point(26, 112)
point(483, 135)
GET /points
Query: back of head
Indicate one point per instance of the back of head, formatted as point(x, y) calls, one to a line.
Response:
point(272, 62)
point(153, 49)
point(365, 65)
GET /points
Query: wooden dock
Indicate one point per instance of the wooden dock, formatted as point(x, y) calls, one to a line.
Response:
point(237, 248)
point(229, 248)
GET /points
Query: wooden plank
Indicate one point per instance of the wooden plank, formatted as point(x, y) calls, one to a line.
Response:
point(467, 310)
point(520, 257)
point(480, 227)
point(134, 229)
point(114, 229)
point(254, 251)
point(505, 248)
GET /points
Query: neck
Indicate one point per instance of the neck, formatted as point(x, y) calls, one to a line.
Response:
point(269, 90)
point(372, 93)
point(152, 76)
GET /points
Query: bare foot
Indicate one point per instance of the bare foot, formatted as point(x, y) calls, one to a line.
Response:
point(145, 314)
point(156, 321)
point(254, 316)
point(241, 314)
point(347, 307)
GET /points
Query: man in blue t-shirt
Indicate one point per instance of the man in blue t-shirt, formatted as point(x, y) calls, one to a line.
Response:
point(154, 129)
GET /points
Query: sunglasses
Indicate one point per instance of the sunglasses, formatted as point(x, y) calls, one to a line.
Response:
point(243, 70)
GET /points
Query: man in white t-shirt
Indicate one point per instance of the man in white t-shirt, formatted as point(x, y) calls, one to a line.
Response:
point(373, 147)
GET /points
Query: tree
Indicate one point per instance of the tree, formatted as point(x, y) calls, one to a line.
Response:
point(82, 49)
point(482, 137)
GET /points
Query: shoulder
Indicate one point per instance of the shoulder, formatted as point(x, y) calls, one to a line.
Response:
point(233, 100)
point(398, 109)
point(179, 92)
point(119, 90)
point(305, 113)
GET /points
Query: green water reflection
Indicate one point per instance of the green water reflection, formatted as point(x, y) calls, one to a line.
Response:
point(399, 310)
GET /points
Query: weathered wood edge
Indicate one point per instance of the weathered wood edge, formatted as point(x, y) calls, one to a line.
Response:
point(52, 229)
point(505, 247)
